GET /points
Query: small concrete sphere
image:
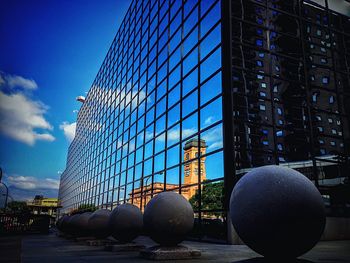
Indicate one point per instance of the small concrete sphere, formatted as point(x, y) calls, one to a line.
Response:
point(71, 224)
point(168, 218)
point(64, 223)
point(83, 224)
point(59, 223)
point(98, 223)
point(126, 222)
point(74, 225)
point(277, 212)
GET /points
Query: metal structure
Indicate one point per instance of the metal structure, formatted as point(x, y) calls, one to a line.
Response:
point(261, 82)
point(12, 223)
point(7, 190)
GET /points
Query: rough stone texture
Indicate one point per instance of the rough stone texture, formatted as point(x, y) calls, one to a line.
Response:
point(277, 212)
point(98, 223)
point(168, 218)
point(126, 222)
point(170, 253)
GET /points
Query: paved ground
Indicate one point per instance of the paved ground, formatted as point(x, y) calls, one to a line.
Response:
point(10, 249)
point(50, 248)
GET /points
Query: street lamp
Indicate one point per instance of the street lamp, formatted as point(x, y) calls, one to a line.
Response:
point(7, 190)
point(145, 197)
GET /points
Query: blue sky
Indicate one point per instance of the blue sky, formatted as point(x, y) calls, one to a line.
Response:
point(50, 52)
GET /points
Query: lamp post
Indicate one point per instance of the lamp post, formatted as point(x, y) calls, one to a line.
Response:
point(7, 190)
point(145, 197)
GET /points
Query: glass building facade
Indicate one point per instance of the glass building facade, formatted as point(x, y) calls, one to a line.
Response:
point(193, 94)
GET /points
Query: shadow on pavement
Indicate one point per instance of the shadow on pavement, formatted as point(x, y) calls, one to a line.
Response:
point(264, 260)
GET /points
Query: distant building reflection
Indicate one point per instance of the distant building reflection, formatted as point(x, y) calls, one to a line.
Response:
point(194, 174)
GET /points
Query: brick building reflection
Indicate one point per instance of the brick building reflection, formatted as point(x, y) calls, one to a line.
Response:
point(193, 170)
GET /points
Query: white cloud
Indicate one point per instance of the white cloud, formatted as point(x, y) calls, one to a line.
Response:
point(174, 135)
point(2, 81)
point(107, 97)
point(18, 81)
point(20, 116)
point(209, 120)
point(31, 183)
point(213, 138)
point(44, 137)
point(69, 130)
point(149, 135)
point(215, 145)
point(13, 81)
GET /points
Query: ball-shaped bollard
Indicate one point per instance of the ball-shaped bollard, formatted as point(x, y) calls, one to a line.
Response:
point(98, 223)
point(74, 225)
point(277, 212)
point(65, 223)
point(69, 226)
point(126, 222)
point(168, 218)
point(59, 223)
point(83, 224)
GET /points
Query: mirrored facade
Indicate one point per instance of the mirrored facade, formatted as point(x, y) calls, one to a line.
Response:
point(290, 83)
point(193, 94)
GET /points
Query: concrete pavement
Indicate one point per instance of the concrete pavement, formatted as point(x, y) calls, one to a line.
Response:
point(50, 248)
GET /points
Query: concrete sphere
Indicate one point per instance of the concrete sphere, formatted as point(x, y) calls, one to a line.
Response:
point(126, 222)
point(64, 223)
point(168, 218)
point(74, 225)
point(277, 212)
point(59, 223)
point(83, 224)
point(98, 223)
point(71, 224)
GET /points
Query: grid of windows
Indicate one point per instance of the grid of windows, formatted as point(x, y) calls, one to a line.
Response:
point(290, 78)
point(190, 88)
point(157, 98)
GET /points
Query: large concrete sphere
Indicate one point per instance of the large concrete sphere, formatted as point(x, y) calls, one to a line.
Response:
point(98, 223)
point(126, 222)
point(168, 218)
point(277, 212)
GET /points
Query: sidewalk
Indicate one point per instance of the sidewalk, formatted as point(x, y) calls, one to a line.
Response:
point(10, 249)
point(50, 248)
